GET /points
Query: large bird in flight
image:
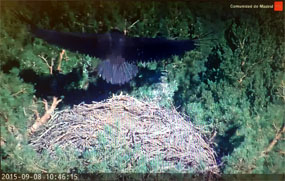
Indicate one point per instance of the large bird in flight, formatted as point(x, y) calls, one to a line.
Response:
point(119, 53)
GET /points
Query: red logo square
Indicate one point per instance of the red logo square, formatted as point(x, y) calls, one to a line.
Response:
point(278, 6)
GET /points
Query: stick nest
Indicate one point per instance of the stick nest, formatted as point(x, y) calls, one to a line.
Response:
point(158, 131)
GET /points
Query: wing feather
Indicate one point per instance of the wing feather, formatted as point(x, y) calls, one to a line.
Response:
point(148, 49)
point(117, 73)
point(96, 45)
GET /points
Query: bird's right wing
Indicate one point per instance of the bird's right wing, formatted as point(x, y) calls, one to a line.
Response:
point(148, 49)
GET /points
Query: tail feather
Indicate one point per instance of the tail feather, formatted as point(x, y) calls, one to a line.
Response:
point(119, 73)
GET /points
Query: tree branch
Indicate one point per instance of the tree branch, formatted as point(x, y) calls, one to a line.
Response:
point(60, 59)
point(49, 110)
point(274, 141)
point(50, 66)
point(19, 92)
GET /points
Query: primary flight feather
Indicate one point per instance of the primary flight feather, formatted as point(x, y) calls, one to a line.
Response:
point(118, 52)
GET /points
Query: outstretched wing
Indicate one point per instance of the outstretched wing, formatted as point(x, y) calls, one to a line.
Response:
point(117, 51)
point(148, 49)
point(97, 45)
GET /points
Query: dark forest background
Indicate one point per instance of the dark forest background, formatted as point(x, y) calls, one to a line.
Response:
point(233, 85)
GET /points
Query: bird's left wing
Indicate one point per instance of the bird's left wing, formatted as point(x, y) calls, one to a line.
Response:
point(97, 45)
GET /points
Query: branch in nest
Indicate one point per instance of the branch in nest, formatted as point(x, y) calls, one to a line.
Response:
point(41, 121)
point(213, 136)
point(274, 141)
point(37, 114)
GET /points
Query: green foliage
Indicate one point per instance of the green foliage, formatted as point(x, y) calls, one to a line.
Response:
point(253, 69)
point(16, 98)
point(233, 92)
point(233, 85)
point(162, 91)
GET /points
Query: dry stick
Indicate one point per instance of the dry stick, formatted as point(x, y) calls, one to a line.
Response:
point(19, 92)
point(60, 59)
point(4, 116)
point(49, 65)
point(282, 90)
point(2, 142)
point(126, 28)
point(46, 116)
point(274, 141)
point(247, 71)
point(281, 152)
point(37, 114)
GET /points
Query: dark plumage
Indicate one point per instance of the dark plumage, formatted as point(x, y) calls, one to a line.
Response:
point(118, 52)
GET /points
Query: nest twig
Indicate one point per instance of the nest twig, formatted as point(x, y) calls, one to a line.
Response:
point(159, 131)
point(42, 120)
